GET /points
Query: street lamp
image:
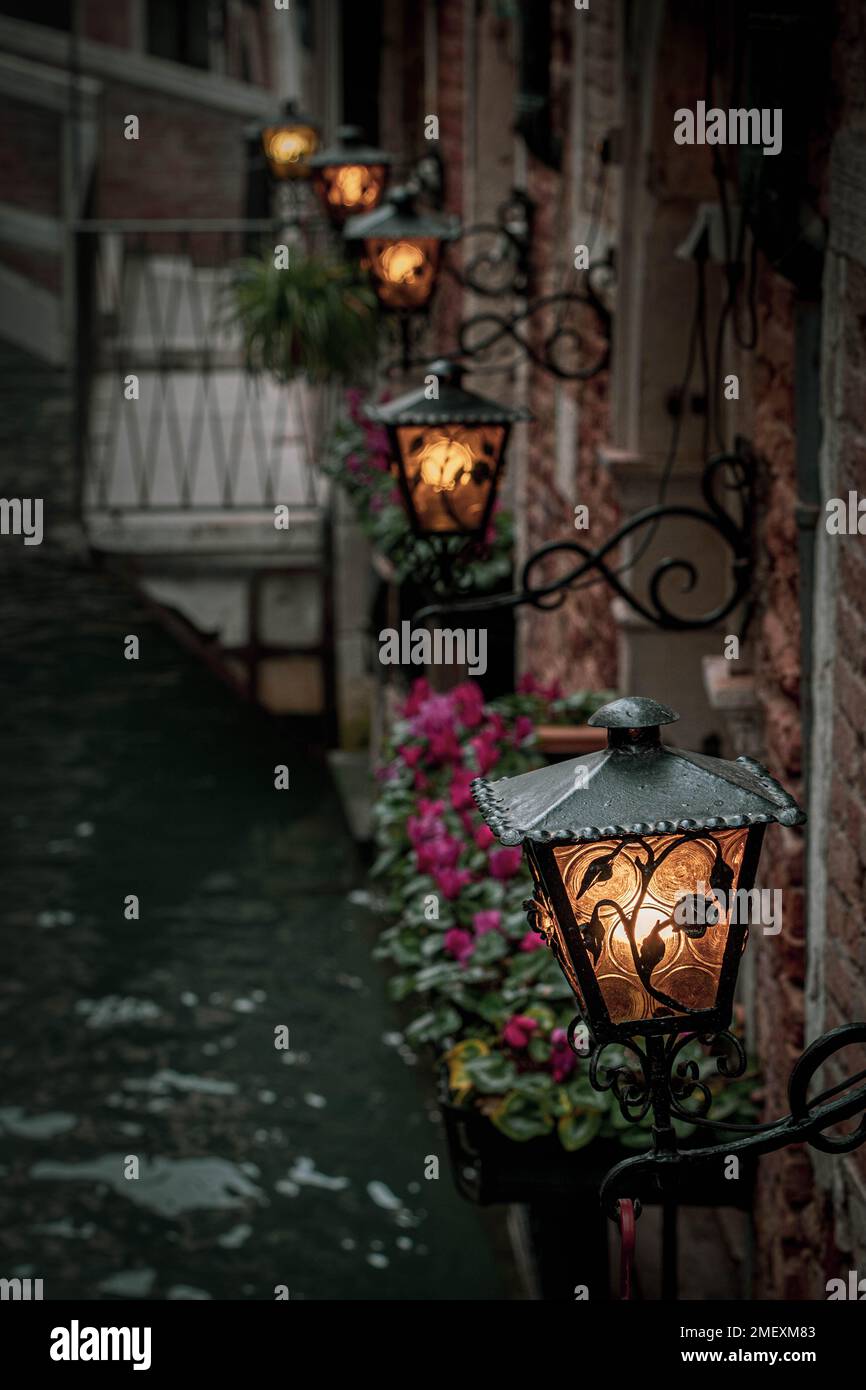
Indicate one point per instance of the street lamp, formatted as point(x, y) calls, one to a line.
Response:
point(350, 176)
point(448, 451)
point(290, 143)
point(642, 858)
point(402, 249)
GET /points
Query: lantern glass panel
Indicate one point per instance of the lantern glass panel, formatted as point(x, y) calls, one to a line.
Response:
point(449, 471)
point(543, 920)
point(404, 269)
point(650, 962)
point(347, 189)
point(288, 149)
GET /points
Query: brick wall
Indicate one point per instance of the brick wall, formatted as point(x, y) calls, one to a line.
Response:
point(187, 162)
point(108, 23)
point(576, 644)
point(30, 156)
point(450, 67)
point(785, 1186)
point(811, 1213)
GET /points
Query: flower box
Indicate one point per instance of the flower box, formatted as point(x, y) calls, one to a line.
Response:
point(558, 741)
point(488, 1167)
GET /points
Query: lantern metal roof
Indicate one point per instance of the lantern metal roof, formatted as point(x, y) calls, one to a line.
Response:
point(453, 405)
point(290, 114)
point(350, 148)
point(400, 218)
point(635, 786)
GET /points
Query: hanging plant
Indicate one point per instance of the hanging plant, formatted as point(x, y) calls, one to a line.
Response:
point(314, 318)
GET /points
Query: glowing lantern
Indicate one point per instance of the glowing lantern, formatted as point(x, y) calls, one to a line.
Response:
point(448, 452)
point(350, 176)
point(289, 144)
point(402, 250)
point(643, 858)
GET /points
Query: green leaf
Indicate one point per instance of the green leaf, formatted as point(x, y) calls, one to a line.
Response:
point(521, 1118)
point(489, 947)
point(430, 1027)
point(533, 1083)
point(492, 1008)
point(492, 1074)
point(576, 1131)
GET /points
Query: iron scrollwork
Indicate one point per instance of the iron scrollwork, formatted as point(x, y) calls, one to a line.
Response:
point(548, 330)
point(651, 1078)
point(734, 527)
point(636, 1078)
point(500, 265)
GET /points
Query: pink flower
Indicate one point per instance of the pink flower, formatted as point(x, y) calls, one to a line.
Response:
point(562, 1059)
point(523, 727)
point(444, 748)
point(518, 1030)
point(504, 863)
point(417, 695)
point(354, 399)
point(530, 942)
point(528, 685)
point(458, 943)
point(469, 700)
point(484, 837)
point(425, 827)
point(461, 796)
point(440, 853)
point(434, 715)
point(411, 753)
point(486, 921)
point(451, 882)
point(377, 440)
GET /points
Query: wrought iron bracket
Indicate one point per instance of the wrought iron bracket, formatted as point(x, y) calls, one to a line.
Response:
point(733, 527)
point(501, 264)
point(657, 1080)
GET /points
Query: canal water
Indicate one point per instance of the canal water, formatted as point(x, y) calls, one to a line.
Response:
point(151, 1042)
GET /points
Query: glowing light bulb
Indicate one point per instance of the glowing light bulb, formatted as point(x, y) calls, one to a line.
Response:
point(288, 146)
point(351, 186)
point(402, 262)
point(445, 463)
point(647, 918)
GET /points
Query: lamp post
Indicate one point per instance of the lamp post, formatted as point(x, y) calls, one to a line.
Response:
point(350, 176)
point(642, 857)
point(448, 451)
point(402, 250)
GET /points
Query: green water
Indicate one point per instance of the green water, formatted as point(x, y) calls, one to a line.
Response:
point(154, 1039)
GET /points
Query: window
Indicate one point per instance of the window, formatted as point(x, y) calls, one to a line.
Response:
point(56, 14)
point(180, 30)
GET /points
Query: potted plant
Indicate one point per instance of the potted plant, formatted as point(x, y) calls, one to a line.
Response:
point(314, 318)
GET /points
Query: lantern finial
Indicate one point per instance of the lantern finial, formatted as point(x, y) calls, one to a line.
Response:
point(633, 712)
